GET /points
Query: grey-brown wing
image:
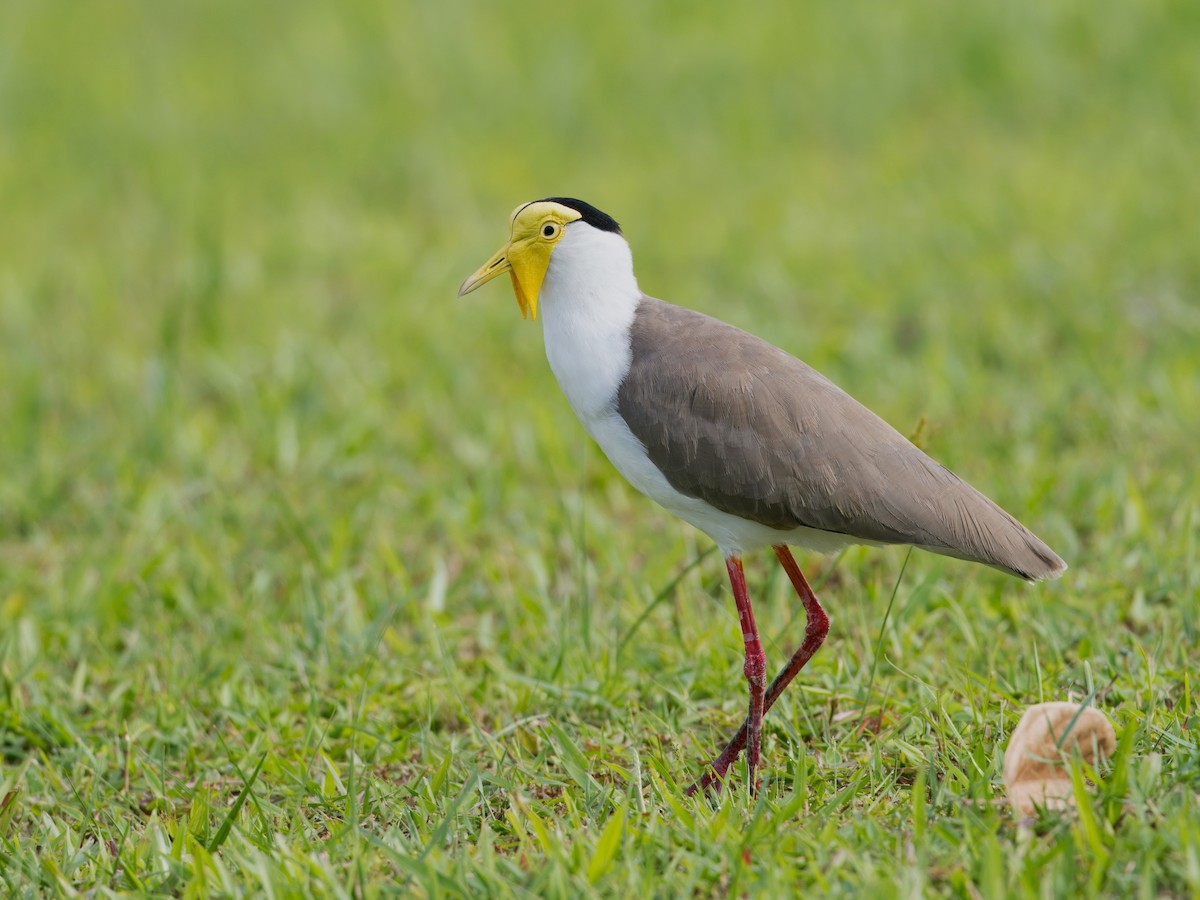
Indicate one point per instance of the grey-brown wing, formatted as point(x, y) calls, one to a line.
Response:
point(755, 432)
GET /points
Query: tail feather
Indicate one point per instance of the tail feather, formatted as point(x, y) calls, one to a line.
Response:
point(987, 534)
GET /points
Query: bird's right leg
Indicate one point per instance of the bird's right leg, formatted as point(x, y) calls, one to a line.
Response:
point(815, 630)
point(755, 667)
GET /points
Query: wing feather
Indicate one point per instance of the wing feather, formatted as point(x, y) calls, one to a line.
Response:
point(739, 423)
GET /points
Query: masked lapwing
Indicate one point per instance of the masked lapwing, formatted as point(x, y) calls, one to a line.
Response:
point(735, 436)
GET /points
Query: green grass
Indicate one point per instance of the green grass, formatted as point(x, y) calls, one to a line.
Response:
point(309, 580)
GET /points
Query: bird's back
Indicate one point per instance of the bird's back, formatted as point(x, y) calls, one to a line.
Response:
point(756, 433)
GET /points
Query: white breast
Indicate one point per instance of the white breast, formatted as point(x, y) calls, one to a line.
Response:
point(588, 301)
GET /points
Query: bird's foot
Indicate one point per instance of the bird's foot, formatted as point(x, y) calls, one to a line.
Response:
point(714, 778)
point(710, 780)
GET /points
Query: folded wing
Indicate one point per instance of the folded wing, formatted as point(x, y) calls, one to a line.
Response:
point(737, 422)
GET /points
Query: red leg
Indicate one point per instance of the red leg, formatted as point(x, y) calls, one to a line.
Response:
point(755, 668)
point(815, 630)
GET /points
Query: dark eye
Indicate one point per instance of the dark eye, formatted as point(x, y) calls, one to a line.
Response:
point(549, 230)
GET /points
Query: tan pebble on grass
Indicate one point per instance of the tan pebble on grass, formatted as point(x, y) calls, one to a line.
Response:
point(1037, 763)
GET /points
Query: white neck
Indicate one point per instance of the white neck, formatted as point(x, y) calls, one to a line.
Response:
point(588, 301)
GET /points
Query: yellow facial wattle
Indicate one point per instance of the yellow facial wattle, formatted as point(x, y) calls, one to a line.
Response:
point(535, 230)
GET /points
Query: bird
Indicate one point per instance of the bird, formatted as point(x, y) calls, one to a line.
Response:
point(735, 436)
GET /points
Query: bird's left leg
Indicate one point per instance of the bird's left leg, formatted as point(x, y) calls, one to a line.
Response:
point(755, 668)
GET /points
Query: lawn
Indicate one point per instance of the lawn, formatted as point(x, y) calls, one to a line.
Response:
point(310, 582)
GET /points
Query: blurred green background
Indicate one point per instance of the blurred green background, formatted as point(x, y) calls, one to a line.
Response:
point(266, 487)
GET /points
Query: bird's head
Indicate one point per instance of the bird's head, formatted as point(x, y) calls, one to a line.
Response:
point(535, 229)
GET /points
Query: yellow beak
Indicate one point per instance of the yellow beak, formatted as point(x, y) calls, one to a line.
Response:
point(524, 264)
point(495, 266)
